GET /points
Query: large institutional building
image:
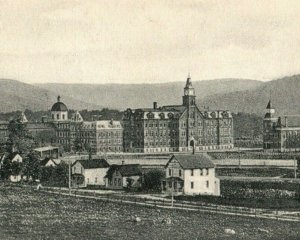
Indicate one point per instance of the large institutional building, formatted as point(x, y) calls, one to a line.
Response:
point(75, 133)
point(176, 128)
point(281, 134)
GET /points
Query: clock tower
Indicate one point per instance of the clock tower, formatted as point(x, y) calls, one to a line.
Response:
point(189, 93)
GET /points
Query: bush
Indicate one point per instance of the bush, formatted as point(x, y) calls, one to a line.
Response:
point(152, 180)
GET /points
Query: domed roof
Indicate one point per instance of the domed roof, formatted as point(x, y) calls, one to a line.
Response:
point(59, 106)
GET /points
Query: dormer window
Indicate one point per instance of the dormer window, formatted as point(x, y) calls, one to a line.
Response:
point(170, 115)
point(162, 115)
point(150, 115)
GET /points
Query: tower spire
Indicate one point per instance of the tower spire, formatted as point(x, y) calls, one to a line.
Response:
point(189, 92)
point(188, 82)
point(269, 106)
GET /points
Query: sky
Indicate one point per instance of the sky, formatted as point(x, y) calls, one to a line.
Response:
point(107, 41)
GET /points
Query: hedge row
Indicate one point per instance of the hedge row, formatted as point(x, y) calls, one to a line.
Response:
point(259, 189)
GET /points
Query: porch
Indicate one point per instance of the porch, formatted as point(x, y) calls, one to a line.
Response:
point(172, 184)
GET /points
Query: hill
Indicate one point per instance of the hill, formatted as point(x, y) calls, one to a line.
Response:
point(122, 96)
point(16, 95)
point(284, 94)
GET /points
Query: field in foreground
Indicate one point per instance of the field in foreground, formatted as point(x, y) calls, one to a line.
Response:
point(28, 214)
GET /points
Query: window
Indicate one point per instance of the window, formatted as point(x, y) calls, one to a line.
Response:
point(207, 171)
point(201, 172)
point(95, 180)
point(87, 180)
point(192, 185)
point(207, 184)
point(170, 172)
point(179, 172)
point(192, 172)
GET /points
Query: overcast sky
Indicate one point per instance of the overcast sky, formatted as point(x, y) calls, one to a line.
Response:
point(148, 41)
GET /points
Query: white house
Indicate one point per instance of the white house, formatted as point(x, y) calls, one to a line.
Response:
point(89, 172)
point(15, 158)
point(191, 175)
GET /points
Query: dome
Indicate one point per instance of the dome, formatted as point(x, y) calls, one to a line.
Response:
point(59, 106)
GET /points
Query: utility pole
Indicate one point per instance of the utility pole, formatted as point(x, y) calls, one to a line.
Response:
point(172, 202)
point(70, 177)
point(295, 168)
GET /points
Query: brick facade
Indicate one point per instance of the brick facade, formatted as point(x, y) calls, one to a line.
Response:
point(177, 128)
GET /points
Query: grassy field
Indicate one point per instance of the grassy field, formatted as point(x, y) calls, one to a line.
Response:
point(28, 214)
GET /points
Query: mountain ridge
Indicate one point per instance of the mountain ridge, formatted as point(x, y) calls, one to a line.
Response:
point(122, 96)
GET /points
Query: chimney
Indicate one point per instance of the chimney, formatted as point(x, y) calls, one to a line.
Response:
point(154, 105)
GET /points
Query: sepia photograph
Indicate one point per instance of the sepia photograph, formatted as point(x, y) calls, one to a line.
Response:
point(161, 119)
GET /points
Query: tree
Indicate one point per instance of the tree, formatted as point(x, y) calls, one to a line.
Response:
point(129, 182)
point(55, 175)
point(31, 166)
point(78, 145)
point(6, 169)
point(152, 180)
point(19, 138)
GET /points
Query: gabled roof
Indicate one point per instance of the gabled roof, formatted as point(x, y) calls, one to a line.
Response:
point(126, 170)
point(93, 163)
point(46, 160)
point(76, 117)
point(11, 156)
point(193, 161)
